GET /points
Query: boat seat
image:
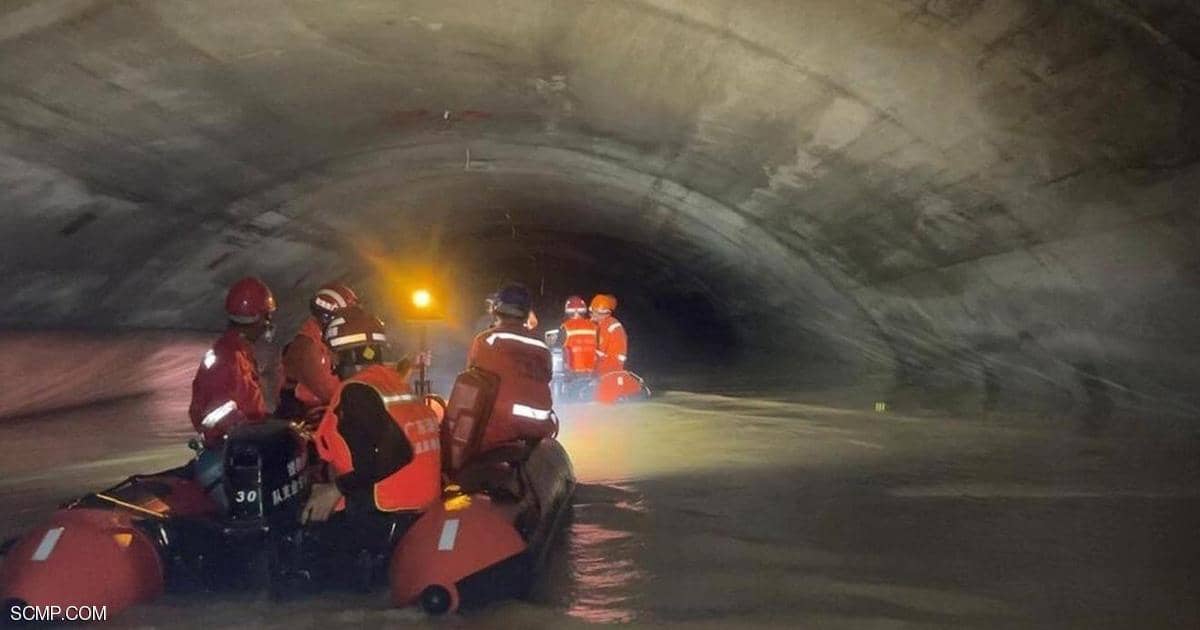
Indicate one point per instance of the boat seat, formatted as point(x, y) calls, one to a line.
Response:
point(493, 471)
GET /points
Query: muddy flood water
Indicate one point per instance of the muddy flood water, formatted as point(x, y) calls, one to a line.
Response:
point(706, 510)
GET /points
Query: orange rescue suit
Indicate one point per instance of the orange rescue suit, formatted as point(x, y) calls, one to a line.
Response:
point(382, 442)
point(307, 368)
point(579, 344)
point(522, 408)
point(226, 391)
point(612, 346)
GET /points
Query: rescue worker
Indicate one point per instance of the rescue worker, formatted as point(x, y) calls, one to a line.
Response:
point(380, 441)
point(522, 410)
point(612, 346)
point(307, 382)
point(488, 319)
point(226, 391)
point(578, 338)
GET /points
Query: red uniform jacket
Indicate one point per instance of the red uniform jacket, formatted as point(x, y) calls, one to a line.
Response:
point(382, 442)
point(226, 391)
point(612, 346)
point(307, 368)
point(579, 344)
point(522, 361)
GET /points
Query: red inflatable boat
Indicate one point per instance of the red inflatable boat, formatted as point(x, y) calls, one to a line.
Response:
point(153, 533)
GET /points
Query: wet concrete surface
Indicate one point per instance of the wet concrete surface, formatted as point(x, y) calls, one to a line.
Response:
point(704, 510)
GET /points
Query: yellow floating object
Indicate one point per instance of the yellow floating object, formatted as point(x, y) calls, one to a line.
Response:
point(460, 502)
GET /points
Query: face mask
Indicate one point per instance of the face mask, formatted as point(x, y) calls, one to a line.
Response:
point(269, 332)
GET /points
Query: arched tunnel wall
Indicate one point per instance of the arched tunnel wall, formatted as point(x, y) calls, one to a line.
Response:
point(975, 204)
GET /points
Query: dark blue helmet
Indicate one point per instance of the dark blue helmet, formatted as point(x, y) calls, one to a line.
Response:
point(513, 300)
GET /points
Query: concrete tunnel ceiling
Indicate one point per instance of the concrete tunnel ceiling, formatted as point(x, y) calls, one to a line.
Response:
point(951, 195)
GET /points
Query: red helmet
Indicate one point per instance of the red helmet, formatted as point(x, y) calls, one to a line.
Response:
point(575, 306)
point(331, 298)
point(248, 301)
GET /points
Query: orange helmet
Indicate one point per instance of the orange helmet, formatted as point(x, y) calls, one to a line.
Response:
point(575, 306)
point(331, 298)
point(249, 301)
point(604, 303)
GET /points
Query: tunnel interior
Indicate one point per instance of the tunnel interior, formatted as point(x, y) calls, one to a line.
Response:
point(965, 204)
point(914, 282)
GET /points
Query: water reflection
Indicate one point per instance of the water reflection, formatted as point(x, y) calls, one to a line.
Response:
point(604, 571)
point(596, 574)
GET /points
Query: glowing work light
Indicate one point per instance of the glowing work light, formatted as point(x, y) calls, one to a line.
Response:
point(422, 299)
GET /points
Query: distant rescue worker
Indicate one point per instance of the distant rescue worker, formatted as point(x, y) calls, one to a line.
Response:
point(578, 337)
point(522, 410)
point(307, 382)
point(612, 346)
point(226, 391)
point(380, 440)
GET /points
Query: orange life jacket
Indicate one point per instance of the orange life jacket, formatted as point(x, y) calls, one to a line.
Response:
point(612, 346)
point(579, 347)
point(522, 407)
point(412, 487)
point(306, 367)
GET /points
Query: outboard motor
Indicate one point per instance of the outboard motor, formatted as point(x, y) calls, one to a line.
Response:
point(557, 365)
point(266, 480)
point(558, 374)
point(266, 486)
